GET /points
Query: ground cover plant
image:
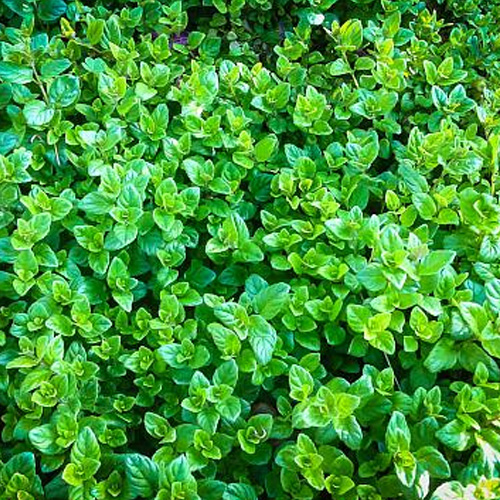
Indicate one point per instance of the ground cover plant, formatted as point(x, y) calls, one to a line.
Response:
point(249, 249)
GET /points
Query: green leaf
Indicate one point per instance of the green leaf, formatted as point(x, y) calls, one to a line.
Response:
point(357, 317)
point(434, 462)
point(239, 491)
point(64, 91)
point(435, 261)
point(271, 301)
point(345, 404)
point(351, 35)
point(41, 225)
point(398, 437)
point(51, 10)
point(15, 73)
point(86, 446)
point(21, 463)
point(158, 427)
point(43, 438)
point(141, 476)
point(96, 203)
point(229, 408)
point(301, 383)
point(262, 338)
point(37, 114)
point(60, 324)
point(450, 491)
point(54, 67)
point(350, 432)
point(406, 468)
point(383, 341)
point(95, 30)
point(454, 435)
point(265, 148)
point(426, 207)
point(443, 356)
point(26, 265)
point(227, 373)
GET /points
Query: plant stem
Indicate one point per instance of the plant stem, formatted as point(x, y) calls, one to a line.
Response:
point(390, 366)
point(39, 82)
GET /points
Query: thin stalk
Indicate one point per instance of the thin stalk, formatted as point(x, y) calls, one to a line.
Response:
point(390, 366)
point(39, 82)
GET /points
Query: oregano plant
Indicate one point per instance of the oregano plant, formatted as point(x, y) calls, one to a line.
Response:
point(249, 249)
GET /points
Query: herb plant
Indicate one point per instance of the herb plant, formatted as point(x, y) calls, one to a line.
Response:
point(249, 249)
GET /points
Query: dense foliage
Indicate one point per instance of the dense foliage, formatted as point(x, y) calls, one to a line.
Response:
point(249, 249)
